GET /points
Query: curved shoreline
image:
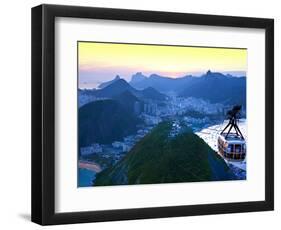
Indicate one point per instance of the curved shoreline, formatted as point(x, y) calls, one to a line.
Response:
point(89, 165)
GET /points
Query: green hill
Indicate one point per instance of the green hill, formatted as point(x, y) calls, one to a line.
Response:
point(158, 158)
point(104, 122)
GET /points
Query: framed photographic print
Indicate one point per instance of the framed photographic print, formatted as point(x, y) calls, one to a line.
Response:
point(143, 114)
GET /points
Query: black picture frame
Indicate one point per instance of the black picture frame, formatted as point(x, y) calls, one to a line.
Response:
point(43, 114)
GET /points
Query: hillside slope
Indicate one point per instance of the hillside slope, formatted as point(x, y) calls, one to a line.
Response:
point(160, 83)
point(119, 86)
point(107, 83)
point(104, 122)
point(218, 88)
point(127, 100)
point(158, 158)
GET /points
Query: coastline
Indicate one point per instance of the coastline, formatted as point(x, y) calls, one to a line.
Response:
point(210, 134)
point(92, 166)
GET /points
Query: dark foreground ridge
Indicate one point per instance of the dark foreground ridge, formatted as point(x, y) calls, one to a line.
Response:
point(104, 121)
point(160, 158)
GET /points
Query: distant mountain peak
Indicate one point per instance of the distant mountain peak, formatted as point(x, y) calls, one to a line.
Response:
point(229, 75)
point(107, 83)
point(155, 76)
point(217, 88)
point(138, 77)
point(120, 83)
point(162, 84)
point(116, 87)
point(209, 72)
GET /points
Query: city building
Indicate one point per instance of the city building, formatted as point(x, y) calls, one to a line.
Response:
point(117, 144)
point(137, 108)
point(94, 148)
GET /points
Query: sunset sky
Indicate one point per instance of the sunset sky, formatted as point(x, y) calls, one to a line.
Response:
point(100, 62)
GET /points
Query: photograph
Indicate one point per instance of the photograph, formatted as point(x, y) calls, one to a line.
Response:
point(142, 113)
point(153, 113)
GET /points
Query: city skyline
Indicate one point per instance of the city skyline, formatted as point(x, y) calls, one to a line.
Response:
point(100, 62)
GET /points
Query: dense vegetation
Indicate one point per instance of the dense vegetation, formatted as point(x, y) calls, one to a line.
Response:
point(158, 158)
point(104, 122)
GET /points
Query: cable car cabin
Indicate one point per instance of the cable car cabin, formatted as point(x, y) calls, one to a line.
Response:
point(232, 148)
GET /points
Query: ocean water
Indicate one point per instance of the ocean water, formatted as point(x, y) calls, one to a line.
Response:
point(85, 177)
point(210, 136)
